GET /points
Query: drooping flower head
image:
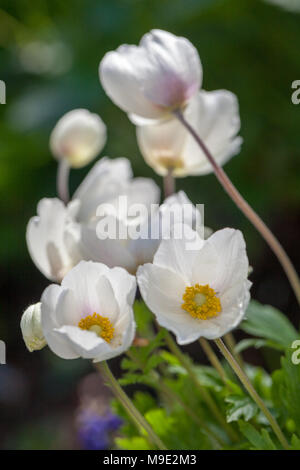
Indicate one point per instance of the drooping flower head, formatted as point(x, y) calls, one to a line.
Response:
point(78, 137)
point(154, 78)
point(195, 293)
point(167, 145)
point(90, 315)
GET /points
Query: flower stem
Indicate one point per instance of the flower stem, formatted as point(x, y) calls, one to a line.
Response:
point(169, 183)
point(247, 210)
point(128, 405)
point(204, 393)
point(213, 358)
point(231, 344)
point(62, 180)
point(252, 392)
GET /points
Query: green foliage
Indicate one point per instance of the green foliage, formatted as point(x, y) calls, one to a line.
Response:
point(170, 390)
point(240, 407)
point(286, 388)
point(267, 322)
point(259, 440)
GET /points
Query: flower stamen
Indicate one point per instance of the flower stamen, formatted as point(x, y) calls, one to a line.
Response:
point(201, 302)
point(99, 325)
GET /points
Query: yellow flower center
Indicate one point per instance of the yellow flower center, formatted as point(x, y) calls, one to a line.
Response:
point(201, 302)
point(99, 325)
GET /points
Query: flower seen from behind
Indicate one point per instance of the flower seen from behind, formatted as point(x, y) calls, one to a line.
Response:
point(152, 79)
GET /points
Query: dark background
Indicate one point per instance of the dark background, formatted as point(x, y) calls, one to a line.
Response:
point(49, 57)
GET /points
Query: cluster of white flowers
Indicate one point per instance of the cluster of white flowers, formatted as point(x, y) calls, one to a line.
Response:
point(204, 292)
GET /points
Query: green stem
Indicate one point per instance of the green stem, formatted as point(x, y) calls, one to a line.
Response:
point(252, 392)
point(247, 210)
point(204, 393)
point(213, 359)
point(231, 344)
point(128, 405)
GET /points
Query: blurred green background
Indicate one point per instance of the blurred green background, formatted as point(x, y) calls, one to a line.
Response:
point(49, 57)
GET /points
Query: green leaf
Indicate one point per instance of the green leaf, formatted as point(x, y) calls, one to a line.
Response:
point(131, 378)
point(240, 407)
point(257, 344)
point(286, 387)
point(267, 322)
point(260, 441)
point(170, 358)
point(133, 443)
point(161, 423)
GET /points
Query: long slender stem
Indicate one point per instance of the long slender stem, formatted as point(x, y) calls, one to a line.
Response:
point(213, 358)
point(231, 344)
point(62, 180)
point(247, 210)
point(169, 183)
point(252, 392)
point(203, 392)
point(132, 411)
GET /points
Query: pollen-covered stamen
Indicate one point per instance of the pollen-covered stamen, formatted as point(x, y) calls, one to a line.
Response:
point(99, 325)
point(201, 302)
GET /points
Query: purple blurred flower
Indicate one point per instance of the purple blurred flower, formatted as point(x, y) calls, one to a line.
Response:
point(94, 430)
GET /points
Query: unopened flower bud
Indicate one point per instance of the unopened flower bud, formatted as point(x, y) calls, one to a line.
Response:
point(78, 137)
point(31, 328)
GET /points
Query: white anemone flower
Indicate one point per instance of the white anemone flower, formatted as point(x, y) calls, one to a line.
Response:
point(154, 78)
point(141, 236)
point(90, 315)
point(78, 137)
point(198, 293)
point(167, 145)
point(54, 235)
point(32, 329)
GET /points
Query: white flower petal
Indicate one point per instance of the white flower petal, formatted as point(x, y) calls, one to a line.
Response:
point(124, 286)
point(119, 74)
point(103, 183)
point(174, 73)
point(161, 145)
point(50, 301)
point(83, 280)
point(215, 117)
point(112, 252)
point(45, 236)
point(173, 254)
point(233, 261)
point(161, 289)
